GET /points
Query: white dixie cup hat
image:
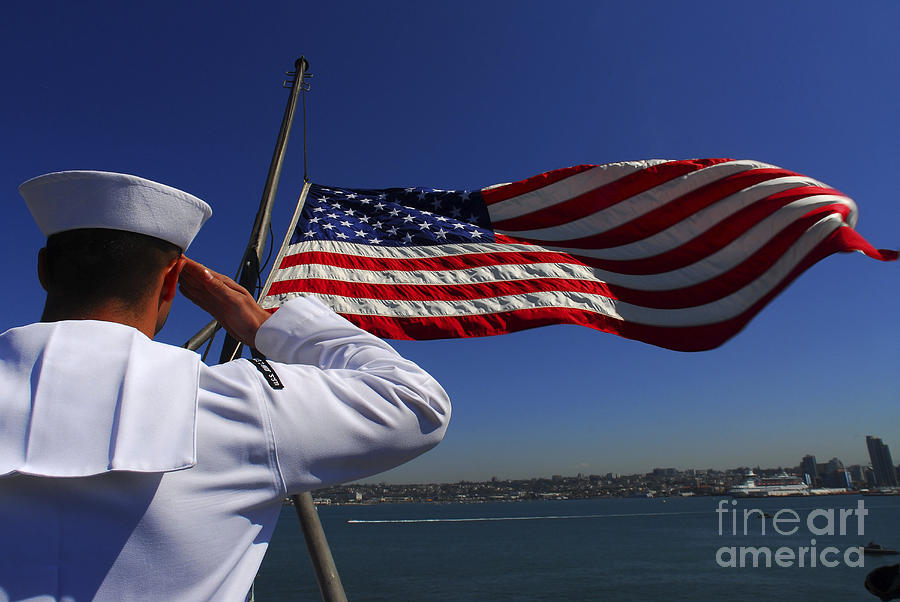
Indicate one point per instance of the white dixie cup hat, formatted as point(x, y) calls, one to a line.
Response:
point(71, 200)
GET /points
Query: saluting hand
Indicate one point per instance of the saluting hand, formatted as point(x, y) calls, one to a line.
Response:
point(225, 300)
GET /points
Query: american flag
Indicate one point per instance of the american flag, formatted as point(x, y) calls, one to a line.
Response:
point(680, 254)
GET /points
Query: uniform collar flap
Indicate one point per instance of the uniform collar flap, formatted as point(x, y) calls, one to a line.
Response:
point(84, 397)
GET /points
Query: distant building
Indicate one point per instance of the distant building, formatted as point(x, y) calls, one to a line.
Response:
point(857, 473)
point(870, 478)
point(882, 464)
point(832, 474)
point(838, 479)
point(810, 471)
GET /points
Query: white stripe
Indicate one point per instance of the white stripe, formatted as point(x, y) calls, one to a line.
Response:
point(716, 311)
point(567, 188)
point(708, 268)
point(406, 252)
point(479, 275)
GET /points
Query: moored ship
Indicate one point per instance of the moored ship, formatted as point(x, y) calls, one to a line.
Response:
point(779, 485)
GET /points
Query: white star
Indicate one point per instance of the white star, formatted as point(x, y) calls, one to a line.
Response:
point(345, 224)
point(375, 241)
point(307, 234)
point(427, 212)
point(379, 206)
point(424, 226)
point(408, 218)
point(475, 234)
point(377, 225)
point(314, 220)
point(352, 195)
point(410, 190)
point(350, 212)
point(441, 234)
point(442, 218)
point(392, 231)
point(360, 233)
point(365, 201)
point(408, 237)
point(328, 226)
point(421, 194)
point(394, 212)
point(457, 225)
point(333, 215)
point(318, 209)
point(341, 235)
point(336, 205)
point(364, 219)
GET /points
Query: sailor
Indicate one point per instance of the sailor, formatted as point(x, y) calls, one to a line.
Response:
point(129, 470)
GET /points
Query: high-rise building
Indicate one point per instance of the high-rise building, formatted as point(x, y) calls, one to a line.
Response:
point(834, 465)
point(834, 475)
point(882, 464)
point(810, 471)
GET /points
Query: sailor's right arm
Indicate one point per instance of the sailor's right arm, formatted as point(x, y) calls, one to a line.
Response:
point(351, 406)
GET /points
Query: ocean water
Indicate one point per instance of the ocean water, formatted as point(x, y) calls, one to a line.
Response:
point(597, 549)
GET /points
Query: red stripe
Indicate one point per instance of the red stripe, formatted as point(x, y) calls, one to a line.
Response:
point(507, 191)
point(439, 292)
point(605, 196)
point(427, 264)
point(853, 241)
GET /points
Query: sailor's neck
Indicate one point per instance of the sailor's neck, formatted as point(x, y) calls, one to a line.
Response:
point(111, 312)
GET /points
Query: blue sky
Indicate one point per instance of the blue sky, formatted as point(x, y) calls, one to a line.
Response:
point(469, 94)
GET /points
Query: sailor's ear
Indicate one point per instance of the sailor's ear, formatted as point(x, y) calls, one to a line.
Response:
point(170, 279)
point(42, 267)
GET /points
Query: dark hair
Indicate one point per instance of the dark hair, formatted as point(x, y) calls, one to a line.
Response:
point(90, 266)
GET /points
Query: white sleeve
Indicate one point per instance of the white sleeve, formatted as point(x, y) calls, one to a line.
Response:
point(351, 406)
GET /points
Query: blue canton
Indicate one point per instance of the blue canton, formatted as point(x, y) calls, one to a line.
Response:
point(393, 217)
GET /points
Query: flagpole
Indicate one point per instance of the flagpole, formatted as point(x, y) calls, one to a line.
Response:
point(248, 274)
point(249, 271)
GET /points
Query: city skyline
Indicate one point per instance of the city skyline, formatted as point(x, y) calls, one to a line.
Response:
point(468, 95)
point(700, 467)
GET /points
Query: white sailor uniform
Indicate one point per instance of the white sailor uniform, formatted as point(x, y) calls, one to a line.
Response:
point(132, 471)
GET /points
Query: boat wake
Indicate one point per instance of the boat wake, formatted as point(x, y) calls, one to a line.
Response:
point(509, 518)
